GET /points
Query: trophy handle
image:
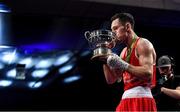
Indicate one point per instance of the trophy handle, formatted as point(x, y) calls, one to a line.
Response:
point(87, 35)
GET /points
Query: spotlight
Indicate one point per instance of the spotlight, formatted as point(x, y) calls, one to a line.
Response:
point(71, 79)
point(35, 84)
point(4, 8)
point(66, 68)
point(5, 83)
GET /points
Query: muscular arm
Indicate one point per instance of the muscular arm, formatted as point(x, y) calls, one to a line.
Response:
point(147, 57)
point(174, 93)
point(146, 54)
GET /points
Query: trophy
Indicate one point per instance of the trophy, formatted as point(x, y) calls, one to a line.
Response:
point(100, 41)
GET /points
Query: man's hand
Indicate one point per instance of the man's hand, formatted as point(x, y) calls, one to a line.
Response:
point(111, 44)
point(115, 62)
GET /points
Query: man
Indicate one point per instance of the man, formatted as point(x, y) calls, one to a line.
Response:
point(169, 86)
point(136, 65)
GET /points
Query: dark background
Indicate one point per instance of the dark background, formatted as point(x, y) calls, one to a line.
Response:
point(62, 25)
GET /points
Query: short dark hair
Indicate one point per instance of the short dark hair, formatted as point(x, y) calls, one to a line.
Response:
point(124, 17)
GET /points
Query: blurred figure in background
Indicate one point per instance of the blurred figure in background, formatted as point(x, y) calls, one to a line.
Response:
point(167, 91)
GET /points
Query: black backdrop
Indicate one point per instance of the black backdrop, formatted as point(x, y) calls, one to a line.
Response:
point(67, 32)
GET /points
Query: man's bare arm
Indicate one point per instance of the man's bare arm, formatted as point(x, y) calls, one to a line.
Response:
point(146, 60)
point(174, 93)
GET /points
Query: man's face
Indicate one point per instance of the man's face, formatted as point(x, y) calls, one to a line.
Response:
point(165, 70)
point(118, 29)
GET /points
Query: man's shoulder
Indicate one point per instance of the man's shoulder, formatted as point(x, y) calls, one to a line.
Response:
point(144, 44)
point(144, 40)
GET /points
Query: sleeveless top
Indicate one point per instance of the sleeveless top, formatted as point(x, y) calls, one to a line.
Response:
point(130, 80)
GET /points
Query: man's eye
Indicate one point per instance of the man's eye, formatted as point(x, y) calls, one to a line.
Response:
point(163, 68)
point(115, 28)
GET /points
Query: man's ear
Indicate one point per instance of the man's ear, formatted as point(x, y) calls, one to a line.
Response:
point(127, 26)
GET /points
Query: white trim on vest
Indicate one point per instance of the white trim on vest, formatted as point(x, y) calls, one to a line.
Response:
point(137, 92)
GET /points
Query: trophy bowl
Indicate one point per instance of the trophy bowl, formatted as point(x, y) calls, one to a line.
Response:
point(101, 41)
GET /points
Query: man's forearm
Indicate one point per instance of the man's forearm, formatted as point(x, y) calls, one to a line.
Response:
point(170, 92)
point(110, 77)
point(143, 72)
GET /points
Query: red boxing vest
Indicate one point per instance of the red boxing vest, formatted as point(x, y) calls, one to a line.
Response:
point(130, 80)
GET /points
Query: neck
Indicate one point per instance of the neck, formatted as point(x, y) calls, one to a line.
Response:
point(130, 43)
point(131, 38)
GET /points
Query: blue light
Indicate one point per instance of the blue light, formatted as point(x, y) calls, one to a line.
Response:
point(1, 66)
point(38, 47)
point(11, 73)
point(40, 73)
point(62, 59)
point(27, 61)
point(5, 83)
point(85, 53)
point(9, 57)
point(4, 8)
point(66, 68)
point(45, 63)
point(1, 27)
point(5, 47)
point(71, 79)
point(34, 84)
point(4, 24)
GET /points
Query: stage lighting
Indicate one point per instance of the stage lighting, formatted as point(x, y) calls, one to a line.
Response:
point(11, 73)
point(85, 53)
point(1, 65)
point(4, 25)
point(34, 84)
point(44, 63)
point(4, 8)
point(71, 79)
point(5, 83)
point(40, 73)
point(28, 61)
point(66, 68)
point(9, 56)
point(62, 59)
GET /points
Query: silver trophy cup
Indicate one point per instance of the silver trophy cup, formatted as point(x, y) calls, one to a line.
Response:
point(101, 41)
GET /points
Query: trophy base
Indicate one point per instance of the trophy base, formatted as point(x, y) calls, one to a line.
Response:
point(101, 54)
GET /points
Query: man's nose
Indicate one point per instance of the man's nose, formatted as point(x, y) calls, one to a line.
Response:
point(163, 71)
